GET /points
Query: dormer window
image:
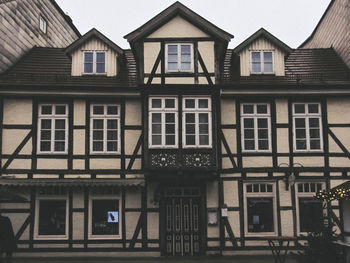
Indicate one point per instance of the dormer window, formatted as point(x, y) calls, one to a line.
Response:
point(179, 57)
point(43, 25)
point(262, 62)
point(94, 62)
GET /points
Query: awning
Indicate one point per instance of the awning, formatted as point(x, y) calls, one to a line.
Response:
point(73, 182)
point(339, 192)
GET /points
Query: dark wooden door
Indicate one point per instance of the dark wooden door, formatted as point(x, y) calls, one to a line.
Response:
point(182, 221)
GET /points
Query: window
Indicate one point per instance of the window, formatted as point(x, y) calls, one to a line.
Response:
point(51, 221)
point(260, 208)
point(104, 213)
point(262, 62)
point(255, 123)
point(307, 127)
point(104, 128)
point(179, 57)
point(43, 24)
point(196, 118)
point(53, 128)
point(163, 124)
point(94, 62)
point(309, 209)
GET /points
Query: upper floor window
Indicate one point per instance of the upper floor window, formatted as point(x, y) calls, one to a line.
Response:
point(307, 127)
point(94, 62)
point(43, 24)
point(105, 128)
point(179, 57)
point(196, 116)
point(260, 208)
point(309, 209)
point(255, 123)
point(262, 62)
point(53, 128)
point(163, 115)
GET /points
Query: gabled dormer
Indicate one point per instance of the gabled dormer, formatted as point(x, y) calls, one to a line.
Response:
point(95, 54)
point(179, 47)
point(262, 54)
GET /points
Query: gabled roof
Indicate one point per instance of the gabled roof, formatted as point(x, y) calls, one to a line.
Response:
point(178, 9)
point(94, 33)
point(263, 33)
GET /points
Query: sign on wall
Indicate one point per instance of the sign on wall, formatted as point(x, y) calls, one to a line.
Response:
point(113, 217)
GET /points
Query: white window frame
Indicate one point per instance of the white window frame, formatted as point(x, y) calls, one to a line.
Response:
point(37, 210)
point(179, 57)
point(256, 116)
point(43, 24)
point(262, 62)
point(94, 62)
point(196, 110)
point(305, 195)
point(163, 111)
point(104, 117)
point(120, 208)
point(307, 116)
point(53, 117)
point(260, 195)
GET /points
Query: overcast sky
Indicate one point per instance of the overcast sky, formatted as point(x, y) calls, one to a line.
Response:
point(292, 21)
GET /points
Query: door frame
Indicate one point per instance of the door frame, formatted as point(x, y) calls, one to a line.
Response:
point(203, 213)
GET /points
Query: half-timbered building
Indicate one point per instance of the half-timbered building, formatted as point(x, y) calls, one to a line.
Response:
point(178, 146)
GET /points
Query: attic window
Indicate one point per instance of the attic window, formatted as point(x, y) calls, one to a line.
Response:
point(94, 62)
point(179, 57)
point(43, 24)
point(262, 62)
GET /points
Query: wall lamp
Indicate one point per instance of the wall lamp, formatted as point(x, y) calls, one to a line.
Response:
point(290, 176)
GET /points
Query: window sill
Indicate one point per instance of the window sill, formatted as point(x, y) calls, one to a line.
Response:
point(94, 74)
point(261, 234)
point(51, 237)
point(51, 153)
point(262, 74)
point(100, 237)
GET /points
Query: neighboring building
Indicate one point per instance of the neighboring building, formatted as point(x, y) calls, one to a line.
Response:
point(187, 147)
point(25, 24)
point(333, 30)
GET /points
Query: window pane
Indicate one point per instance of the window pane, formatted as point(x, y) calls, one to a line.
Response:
point(260, 215)
point(98, 124)
point(60, 135)
point(170, 117)
point(156, 128)
point(249, 188)
point(203, 104)
point(314, 133)
point(170, 103)
point(88, 68)
point(262, 109)
point(46, 124)
point(313, 108)
point(100, 68)
point(185, 66)
point(189, 103)
point(112, 146)
point(263, 144)
point(310, 214)
point(45, 146)
point(172, 66)
point(59, 146)
point(255, 56)
point(156, 103)
point(185, 49)
point(300, 133)
point(299, 108)
point(203, 118)
point(100, 57)
point(156, 139)
point(203, 140)
point(88, 57)
point(112, 135)
point(268, 57)
point(156, 117)
point(186, 58)
point(256, 67)
point(112, 124)
point(112, 110)
point(170, 128)
point(268, 67)
point(301, 144)
point(262, 123)
point(100, 224)
point(269, 188)
point(262, 133)
point(170, 139)
point(248, 123)
point(300, 123)
point(248, 133)
point(98, 135)
point(97, 146)
point(45, 135)
point(315, 144)
point(190, 118)
point(46, 109)
point(190, 140)
point(61, 109)
point(203, 129)
point(248, 109)
point(249, 144)
point(172, 58)
point(98, 110)
point(172, 49)
point(190, 128)
point(314, 122)
point(60, 124)
point(52, 217)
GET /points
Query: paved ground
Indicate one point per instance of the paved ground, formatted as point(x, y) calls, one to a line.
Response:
point(208, 259)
